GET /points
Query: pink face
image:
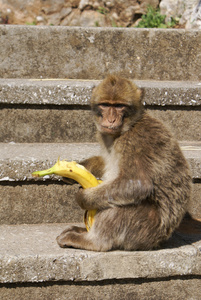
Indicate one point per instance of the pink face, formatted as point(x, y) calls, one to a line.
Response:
point(110, 117)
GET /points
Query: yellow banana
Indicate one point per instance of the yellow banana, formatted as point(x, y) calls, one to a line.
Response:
point(80, 174)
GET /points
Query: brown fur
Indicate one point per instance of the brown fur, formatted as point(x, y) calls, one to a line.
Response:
point(147, 182)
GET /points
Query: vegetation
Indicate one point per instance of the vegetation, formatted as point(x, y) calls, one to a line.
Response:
point(102, 10)
point(154, 19)
point(32, 23)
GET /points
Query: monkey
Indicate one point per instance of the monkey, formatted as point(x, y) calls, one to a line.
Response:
point(146, 179)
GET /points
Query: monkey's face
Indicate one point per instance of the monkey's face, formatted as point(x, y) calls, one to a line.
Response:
point(116, 104)
point(110, 117)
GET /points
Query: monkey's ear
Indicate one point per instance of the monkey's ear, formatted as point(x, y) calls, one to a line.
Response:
point(93, 97)
point(94, 88)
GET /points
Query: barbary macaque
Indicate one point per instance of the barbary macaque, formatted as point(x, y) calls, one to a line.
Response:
point(146, 179)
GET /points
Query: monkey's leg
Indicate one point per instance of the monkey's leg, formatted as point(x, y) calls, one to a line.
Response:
point(79, 229)
point(75, 240)
point(84, 240)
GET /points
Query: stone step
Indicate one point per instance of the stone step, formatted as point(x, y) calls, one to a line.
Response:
point(33, 265)
point(19, 160)
point(56, 91)
point(57, 111)
point(91, 53)
point(30, 108)
point(25, 199)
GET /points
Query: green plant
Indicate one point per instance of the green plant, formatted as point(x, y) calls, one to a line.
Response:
point(114, 24)
point(173, 22)
point(33, 23)
point(153, 19)
point(97, 24)
point(102, 10)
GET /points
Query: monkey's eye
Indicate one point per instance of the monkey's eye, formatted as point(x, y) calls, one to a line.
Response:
point(97, 110)
point(119, 105)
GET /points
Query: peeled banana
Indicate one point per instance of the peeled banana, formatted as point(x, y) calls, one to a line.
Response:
point(80, 174)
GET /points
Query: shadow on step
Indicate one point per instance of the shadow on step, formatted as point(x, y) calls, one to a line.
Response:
point(188, 233)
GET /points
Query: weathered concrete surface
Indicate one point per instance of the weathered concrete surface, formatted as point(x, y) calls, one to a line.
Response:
point(25, 199)
point(50, 91)
point(194, 207)
point(192, 153)
point(34, 203)
point(64, 125)
point(31, 108)
point(29, 253)
point(184, 124)
point(73, 52)
point(46, 125)
point(18, 161)
point(127, 289)
point(39, 203)
point(78, 92)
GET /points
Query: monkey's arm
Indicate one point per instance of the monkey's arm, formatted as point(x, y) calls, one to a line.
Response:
point(95, 165)
point(121, 191)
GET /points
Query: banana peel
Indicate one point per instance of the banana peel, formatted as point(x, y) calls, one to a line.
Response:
point(80, 174)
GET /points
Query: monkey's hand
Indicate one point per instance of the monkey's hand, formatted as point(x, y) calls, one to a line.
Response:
point(83, 201)
point(120, 192)
point(95, 165)
point(88, 199)
point(80, 198)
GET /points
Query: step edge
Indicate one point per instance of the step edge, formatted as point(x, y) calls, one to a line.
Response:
point(77, 92)
point(30, 262)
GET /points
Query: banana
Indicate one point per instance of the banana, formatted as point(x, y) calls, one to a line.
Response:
point(80, 174)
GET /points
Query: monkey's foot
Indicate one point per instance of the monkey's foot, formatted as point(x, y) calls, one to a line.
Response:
point(64, 239)
point(75, 239)
point(75, 228)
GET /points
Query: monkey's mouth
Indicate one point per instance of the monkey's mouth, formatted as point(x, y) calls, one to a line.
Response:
point(111, 129)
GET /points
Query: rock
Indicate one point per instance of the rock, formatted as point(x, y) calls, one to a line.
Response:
point(49, 7)
point(73, 12)
point(172, 8)
point(92, 18)
point(56, 18)
point(194, 22)
point(72, 19)
point(96, 12)
point(87, 18)
point(84, 3)
point(188, 11)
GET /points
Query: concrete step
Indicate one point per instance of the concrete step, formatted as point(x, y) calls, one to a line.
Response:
point(33, 266)
point(48, 111)
point(56, 111)
point(55, 91)
point(25, 199)
point(19, 160)
point(90, 53)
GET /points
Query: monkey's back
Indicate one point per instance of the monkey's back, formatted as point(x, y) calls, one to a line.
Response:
point(149, 147)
